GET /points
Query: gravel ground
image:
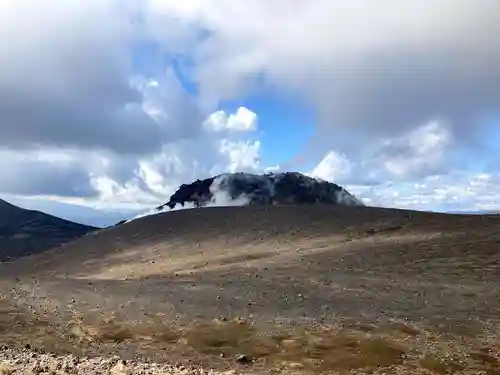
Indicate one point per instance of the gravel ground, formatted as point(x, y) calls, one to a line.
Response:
point(30, 362)
point(26, 361)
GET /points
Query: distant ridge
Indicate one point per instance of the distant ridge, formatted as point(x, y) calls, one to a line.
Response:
point(25, 232)
point(478, 212)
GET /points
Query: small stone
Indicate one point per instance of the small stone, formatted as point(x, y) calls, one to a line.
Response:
point(37, 369)
point(295, 365)
point(120, 369)
point(242, 358)
point(6, 368)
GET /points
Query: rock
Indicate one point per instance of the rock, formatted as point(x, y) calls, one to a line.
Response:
point(120, 369)
point(242, 358)
point(6, 368)
point(36, 368)
point(295, 365)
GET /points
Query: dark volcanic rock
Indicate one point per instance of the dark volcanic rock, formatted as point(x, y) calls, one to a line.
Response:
point(120, 222)
point(24, 232)
point(279, 188)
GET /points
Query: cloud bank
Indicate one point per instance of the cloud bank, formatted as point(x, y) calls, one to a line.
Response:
point(369, 69)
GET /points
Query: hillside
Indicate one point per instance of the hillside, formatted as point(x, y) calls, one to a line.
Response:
point(313, 288)
point(24, 232)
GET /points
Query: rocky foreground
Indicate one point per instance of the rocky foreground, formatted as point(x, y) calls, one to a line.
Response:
point(27, 361)
point(30, 362)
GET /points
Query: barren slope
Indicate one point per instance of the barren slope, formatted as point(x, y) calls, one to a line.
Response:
point(24, 232)
point(417, 290)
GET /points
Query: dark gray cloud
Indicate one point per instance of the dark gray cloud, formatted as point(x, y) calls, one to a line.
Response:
point(66, 81)
point(395, 91)
point(30, 174)
point(370, 69)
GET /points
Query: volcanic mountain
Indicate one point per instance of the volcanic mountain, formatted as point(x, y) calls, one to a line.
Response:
point(273, 188)
point(24, 232)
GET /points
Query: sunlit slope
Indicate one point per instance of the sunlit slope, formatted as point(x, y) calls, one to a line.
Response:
point(386, 240)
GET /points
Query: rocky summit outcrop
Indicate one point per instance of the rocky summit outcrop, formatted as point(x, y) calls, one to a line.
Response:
point(25, 232)
point(272, 188)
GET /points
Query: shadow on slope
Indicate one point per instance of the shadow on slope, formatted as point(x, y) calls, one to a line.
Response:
point(25, 232)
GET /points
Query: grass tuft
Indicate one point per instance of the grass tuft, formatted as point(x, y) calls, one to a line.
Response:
point(342, 350)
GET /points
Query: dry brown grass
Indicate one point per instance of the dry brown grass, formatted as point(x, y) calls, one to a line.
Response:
point(344, 350)
point(438, 365)
point(338, 350)
point(14, 321)
point(489, 359)
point(19, 327)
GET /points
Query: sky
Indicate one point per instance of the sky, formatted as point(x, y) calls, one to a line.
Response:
point(107, 106)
